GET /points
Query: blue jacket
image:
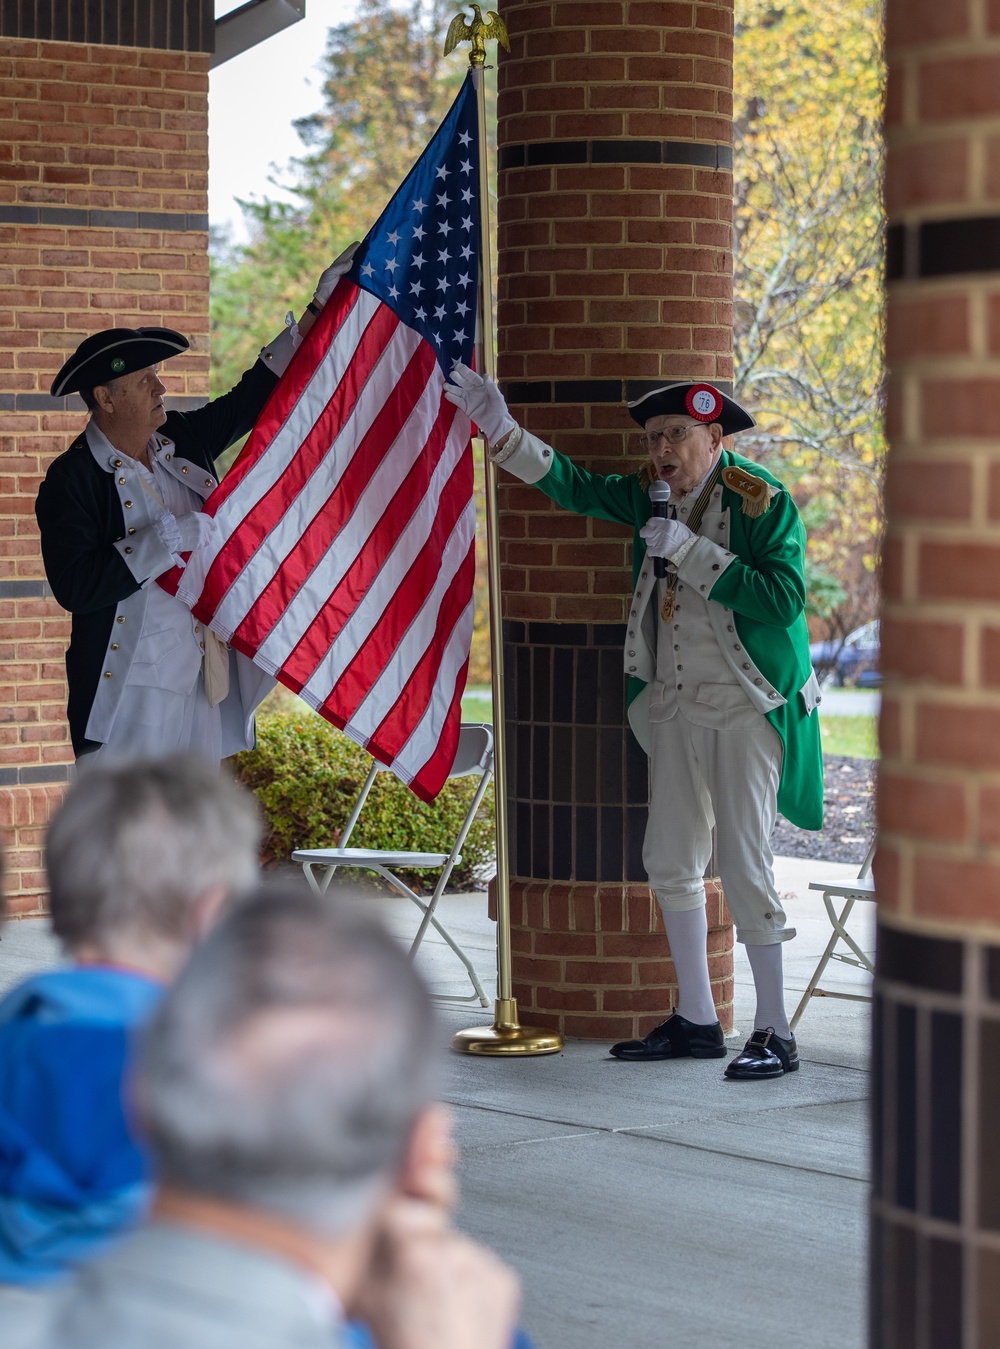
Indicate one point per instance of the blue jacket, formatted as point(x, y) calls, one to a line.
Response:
point(71, 1175)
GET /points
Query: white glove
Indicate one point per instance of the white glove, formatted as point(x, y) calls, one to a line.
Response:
point(664, 537)
point(195, 529)
point(481, 401)
point(338, 268)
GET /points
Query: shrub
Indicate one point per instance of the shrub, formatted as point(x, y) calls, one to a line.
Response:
point(306, 775)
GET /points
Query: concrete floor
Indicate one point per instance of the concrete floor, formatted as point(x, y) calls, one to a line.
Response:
point(657, 1205)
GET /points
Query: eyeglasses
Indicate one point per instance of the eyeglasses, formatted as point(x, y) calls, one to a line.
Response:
point(673, 435)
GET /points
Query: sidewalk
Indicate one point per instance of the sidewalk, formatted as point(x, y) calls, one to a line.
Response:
point(656, 1205)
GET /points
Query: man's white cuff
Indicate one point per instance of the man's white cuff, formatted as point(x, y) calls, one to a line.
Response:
point(524, 455)
point(145, 554)
point(700, 563)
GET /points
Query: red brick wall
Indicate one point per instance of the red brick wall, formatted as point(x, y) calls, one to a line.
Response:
point(615, 275)
point(103, 194)
point(939, 801)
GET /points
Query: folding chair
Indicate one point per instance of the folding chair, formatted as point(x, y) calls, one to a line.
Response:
point(850, 891)
point(474, 755)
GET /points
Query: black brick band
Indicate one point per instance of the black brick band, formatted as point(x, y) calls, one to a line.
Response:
point(25, 590)
point(170, 25)
point(943, 248)
point(86, 219)
point(71, 402)
point(540, 153)
point(617, 391)
point(27, 777)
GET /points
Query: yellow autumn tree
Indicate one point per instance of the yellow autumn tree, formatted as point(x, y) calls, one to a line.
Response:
point(808, 249)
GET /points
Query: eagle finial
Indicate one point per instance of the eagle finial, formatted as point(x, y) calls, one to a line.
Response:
point(478, 31)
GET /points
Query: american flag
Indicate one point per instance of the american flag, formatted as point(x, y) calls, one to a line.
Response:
point(345, 559)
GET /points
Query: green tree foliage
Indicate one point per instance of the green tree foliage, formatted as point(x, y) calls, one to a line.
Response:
point(386, 88)
point(307, 775)
point(808, 275)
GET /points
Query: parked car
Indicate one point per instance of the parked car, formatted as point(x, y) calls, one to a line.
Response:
point(852, 661)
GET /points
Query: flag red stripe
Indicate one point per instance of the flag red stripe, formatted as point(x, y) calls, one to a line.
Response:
point(291, 386)
point(299, 565)
point(384, 635)
point(316, 641)
point(261, 519)
point(395, 729)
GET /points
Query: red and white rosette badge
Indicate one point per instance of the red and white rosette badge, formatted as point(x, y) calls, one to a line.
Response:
point(704, 402)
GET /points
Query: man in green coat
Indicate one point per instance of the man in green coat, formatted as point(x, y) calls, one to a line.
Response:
point(722, 693)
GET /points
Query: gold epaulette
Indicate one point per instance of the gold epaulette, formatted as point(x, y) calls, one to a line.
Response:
point(755, 493)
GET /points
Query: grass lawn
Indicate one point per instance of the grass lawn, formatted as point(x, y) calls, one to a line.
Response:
point(853, 736)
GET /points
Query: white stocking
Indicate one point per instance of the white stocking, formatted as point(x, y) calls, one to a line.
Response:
point(765, 962)
point(687, 933)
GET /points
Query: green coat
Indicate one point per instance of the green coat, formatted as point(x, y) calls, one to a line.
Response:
point(764, 588)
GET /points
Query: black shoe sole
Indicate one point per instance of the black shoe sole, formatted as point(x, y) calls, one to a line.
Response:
point(760, 1077)
point(717, 1052)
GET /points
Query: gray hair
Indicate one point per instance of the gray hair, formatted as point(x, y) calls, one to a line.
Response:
point(132, 847)
point(287, 1067)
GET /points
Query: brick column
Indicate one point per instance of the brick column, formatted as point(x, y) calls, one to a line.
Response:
point(615, 276)
point(103, 201)
point(936, 1206)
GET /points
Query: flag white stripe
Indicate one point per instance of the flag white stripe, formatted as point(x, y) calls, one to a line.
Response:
point(426, 735)
point(299, 513)
point(357, 529)
point(382, 592)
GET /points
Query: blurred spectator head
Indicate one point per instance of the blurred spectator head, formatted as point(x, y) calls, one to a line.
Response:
point(138, 853)
point(287, 1068)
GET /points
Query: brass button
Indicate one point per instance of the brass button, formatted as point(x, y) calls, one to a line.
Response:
point(114, 646)
point(184, 469)
point(758, 681)
point(631, 669)
point(128, 505)
point(208, 482)
point(131, 529)
point(121, 618)
point(122, 481)
point(167, 457)
point(107, 674)
point(117, 463)
point(127, 549)
point(746, 665)
point(772, 695)
point(631, 653)
point(202, 645)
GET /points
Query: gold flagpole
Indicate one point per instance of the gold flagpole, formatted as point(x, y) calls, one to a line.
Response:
point(506, 1035)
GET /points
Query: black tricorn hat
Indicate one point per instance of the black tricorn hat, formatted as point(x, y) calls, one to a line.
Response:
point(702, 401)
point(114, 352)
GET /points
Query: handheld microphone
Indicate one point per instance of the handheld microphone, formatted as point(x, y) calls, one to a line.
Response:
point(659, 495)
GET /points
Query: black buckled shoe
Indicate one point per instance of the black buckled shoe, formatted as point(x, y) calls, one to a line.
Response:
point(764, 1055)
point(675, 1038)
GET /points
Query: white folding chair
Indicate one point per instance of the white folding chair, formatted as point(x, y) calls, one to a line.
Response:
point(850, 891)
point(474, 755)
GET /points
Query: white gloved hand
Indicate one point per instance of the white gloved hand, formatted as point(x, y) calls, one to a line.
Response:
point(481, 401)
point(194, 530)
point(664, 537)
point(338, 268)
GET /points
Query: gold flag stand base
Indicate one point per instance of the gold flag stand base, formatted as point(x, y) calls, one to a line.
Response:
point(506, 1035)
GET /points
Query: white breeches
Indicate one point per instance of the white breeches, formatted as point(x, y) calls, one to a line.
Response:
point(729, 778)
